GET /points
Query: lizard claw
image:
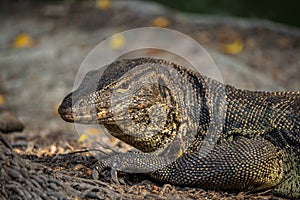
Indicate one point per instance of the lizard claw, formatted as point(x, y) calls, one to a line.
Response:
point(95, 173)
point(97, 169)
point(114, 174)
point(100, 166)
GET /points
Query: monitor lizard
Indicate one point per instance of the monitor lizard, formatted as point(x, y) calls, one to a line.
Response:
point(166, 111)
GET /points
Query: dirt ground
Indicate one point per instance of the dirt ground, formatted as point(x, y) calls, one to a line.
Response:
point(34, 78)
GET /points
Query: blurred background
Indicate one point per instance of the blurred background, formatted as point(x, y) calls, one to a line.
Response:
point(255, 44)
point(286, 12)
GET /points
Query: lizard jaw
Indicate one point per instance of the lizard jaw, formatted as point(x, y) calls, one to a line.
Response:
point(82, 119)
point(83, 116)
point(67, 118)
point(70, 114)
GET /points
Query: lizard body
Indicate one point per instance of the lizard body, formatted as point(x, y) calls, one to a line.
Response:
point(192, 130)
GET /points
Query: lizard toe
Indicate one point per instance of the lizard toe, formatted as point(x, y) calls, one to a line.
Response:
point(98, 168)
point(102, 165)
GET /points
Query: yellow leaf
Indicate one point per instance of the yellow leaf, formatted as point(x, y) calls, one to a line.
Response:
point(82, 138)
point(234, 48)
point(112, 140)
point(117, 41)
point(92, 131)
point(160, 22)
point(23, 41)
point(103, 4)
point(2, 100)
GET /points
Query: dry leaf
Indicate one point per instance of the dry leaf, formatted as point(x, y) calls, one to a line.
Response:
point(53, 149)
point(82, 138)
point(103, 4)
point(160, 22)
point(23, 40)
point(117, 41)
point(155, 188)
point(89, 172)
point(57, 168)
point(78, 167)
point(234, 48)
point(2, 100)
point(112, 140)
point(92, 131)
point(19, 151)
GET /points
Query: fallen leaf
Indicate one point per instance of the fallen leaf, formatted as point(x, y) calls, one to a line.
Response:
point(82, 138)
point(44, 152)
point(233, 48)
point(155, 188)
point(117, 41)
point(57, 168)
point(89, 172)
point(160, 22)
point(92, 131)
point(78, 167)
point(2, 100)
point(19, 151)
point(23, 40)
point(53, 149)
point(155, 192)
point(112, 140)
point(103, 4)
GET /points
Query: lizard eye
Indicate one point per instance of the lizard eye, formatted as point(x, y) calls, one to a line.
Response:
point(81, 103)
point(124, 85)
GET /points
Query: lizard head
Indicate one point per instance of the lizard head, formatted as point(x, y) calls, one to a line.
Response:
point(136, 100)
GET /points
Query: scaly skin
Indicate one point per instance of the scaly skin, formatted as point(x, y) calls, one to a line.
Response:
point(192, 130)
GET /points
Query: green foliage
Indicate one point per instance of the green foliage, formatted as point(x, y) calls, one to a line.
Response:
point(281, 11)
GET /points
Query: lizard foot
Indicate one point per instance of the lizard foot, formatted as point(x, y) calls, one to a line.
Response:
point(100, 166)
point(131, 162)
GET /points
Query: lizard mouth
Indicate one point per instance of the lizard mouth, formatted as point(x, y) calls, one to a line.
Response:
point(82, 119)
point(67, 117)
point(83, 115)
point(65, 112)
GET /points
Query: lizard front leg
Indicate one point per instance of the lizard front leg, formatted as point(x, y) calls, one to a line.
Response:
point(139, 162)
point(243, 164)
point(132, 162)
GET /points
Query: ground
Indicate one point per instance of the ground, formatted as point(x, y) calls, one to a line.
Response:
point(43, 46)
